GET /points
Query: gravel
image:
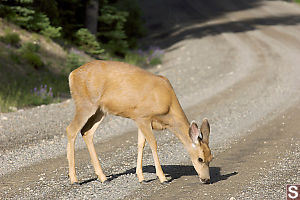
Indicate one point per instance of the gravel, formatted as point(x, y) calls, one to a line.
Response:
point(239, 75)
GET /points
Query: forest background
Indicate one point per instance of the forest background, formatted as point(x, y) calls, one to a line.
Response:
point(42, 41)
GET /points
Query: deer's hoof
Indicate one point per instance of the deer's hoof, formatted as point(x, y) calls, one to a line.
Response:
point(165, 183)
point(75, 183)
point(143, 182)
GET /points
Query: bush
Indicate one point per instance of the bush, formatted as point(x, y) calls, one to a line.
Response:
point(133, 26)
point(88, 42)
point(52, 32)
point(154, 55)
point(22, 91)
point(28, 52)
point(150, 57)
point(29, 46)
point(73, 61)
point(28, 18)
point(14, 56)
point(111, 31)
point(33, 59)
point(134, 59)
point(11, 38)
point(42, 95)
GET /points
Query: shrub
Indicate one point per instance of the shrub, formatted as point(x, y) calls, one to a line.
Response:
point(42, 95)
point(28, 18)
point(133, 26)
point(88, 42)
point(14, 56)
point(29, 46)
point(150, 57)
point(52, 32)
point(11, 38)
point(155, 61)
point(134, 58)
point(111, 31)
point(73, 61)
point(32, 58)
point(28, 52)
point(154, 55)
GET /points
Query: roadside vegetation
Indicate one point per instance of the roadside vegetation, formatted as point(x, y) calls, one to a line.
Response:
point(41, 42)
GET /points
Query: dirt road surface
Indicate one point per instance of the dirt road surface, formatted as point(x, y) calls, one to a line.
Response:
point(234, 62)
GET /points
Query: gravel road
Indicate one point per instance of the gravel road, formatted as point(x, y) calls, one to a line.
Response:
point(233, 62)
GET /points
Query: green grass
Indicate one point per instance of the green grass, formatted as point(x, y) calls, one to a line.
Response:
point(11, 38)
point(23, 78)
point(298, 1)
point(21, 92)
point(134, 59)
point(26, 66)
point(32, 58)
point(145, 58)
point(72, 62)
point(29, 61)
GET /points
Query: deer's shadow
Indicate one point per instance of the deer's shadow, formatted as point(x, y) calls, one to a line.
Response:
point(173, 172)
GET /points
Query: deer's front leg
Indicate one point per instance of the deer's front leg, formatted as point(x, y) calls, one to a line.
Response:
point(146, 129)
point(139, 166)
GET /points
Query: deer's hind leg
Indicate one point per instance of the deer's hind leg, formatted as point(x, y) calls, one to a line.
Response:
point(81, 117)
point(87, 133)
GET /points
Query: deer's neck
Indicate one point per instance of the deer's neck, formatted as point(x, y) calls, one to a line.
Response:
point(180, 125)
point(180, 128)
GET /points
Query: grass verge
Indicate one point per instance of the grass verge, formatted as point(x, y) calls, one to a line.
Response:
point(32, 91)
point(34, 70)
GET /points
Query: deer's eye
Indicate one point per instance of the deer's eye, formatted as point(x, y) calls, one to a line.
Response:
point(200, 160)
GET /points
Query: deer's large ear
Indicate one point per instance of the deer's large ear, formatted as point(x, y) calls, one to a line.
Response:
point(194, 132)
point(205, 131)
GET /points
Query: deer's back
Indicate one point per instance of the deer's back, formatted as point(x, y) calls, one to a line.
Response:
point(121, 89)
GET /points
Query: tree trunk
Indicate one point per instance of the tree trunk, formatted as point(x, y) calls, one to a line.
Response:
point(91, 15)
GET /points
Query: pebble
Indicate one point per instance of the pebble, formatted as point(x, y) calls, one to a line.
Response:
point(12, 108)
point(224, 126)
point(4, 118)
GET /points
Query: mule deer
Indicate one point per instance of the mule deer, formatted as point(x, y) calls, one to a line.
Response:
point(101, 87)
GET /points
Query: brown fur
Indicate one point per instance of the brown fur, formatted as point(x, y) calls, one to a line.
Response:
point(101, 87)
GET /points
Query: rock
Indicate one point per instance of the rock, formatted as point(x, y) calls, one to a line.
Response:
point(12, 108)
point(4, 118)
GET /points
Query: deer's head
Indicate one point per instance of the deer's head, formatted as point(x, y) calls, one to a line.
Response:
point(199, 150)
